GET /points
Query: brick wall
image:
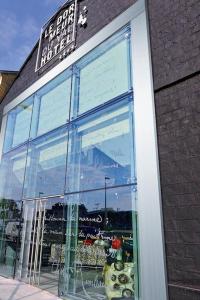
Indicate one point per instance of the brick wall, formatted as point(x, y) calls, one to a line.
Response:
point(175, 38)
point(181, 293)
point(175, 43)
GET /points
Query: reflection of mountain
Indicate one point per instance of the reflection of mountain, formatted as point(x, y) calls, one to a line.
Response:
point(99, 165)
point(95, 165)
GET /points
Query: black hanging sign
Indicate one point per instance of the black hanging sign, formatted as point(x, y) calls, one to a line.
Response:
point(58, 35)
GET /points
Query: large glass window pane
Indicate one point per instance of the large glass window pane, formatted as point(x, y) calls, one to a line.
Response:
point(52, 104)
point(101, 245)
point(101, 149)
point(45, 172)
point(105, 72)
point(12, 174)
point(18, 124)
point(11, 185)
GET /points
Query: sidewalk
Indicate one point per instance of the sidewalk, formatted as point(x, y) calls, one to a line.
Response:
point(15, 290)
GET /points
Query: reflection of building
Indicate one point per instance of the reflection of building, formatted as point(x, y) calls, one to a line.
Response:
point(79, 182)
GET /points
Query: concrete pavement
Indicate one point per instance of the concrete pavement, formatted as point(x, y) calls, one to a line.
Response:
point(15, 290)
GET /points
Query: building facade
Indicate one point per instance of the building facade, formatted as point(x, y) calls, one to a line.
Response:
point(99, 151)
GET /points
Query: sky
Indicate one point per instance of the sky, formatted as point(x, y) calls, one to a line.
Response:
point(20, 25)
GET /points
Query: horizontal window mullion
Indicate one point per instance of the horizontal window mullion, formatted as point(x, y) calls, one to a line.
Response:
point(102, 188)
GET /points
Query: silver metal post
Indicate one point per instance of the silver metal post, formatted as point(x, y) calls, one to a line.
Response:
point(41, 241)
point(33, 242)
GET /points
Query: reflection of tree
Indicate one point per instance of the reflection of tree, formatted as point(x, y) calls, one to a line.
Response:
point(82, 210)
point(10, 215)
point(9, 209)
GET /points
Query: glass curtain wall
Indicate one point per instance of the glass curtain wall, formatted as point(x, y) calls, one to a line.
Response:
point(100, 209)
point(33, 166)
point(68, 182)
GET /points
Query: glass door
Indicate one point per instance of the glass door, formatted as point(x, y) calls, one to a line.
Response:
point(32, 240)
point(41, 250)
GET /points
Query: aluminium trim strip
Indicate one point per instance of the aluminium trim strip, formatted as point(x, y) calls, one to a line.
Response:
point(150, 227)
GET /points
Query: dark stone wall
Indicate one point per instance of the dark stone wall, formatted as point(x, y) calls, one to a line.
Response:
point(177, 293)
point(175, 39)
point(175, 44)
point(178, 127)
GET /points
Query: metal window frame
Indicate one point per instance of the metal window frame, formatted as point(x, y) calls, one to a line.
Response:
point(3, 134)
point(150, 228)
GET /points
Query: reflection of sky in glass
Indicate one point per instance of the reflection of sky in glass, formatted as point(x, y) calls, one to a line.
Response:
point(12, 174)
point(118, 199)
point(53, 156)
point(101, 139)
point(18, 124)
point(45, 172)
point(54, 107)
point(101, 146)
point(104, 78)
point(18, 169)
point(22, 124)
